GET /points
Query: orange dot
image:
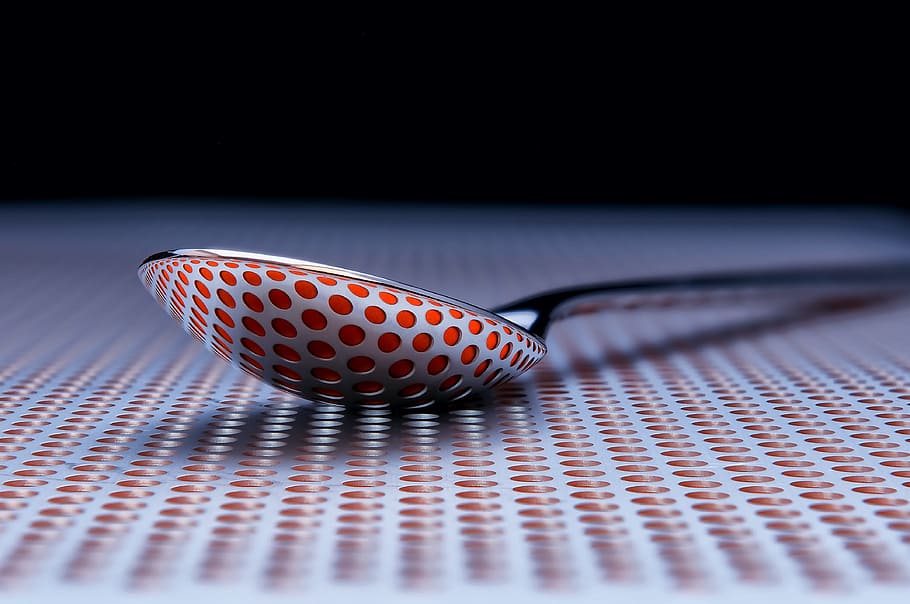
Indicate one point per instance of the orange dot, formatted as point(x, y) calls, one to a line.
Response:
point(252, 278)
point(452, 335)
point(358, 290)
point(252, 302)
point(368, 387)
point(225, 318)
point(414, 301)
point(438, 364)
point(506, 351)
point(374, 314)
point(361, 364)
point(340, 304)
point(389, 342)
point(482, 367)
point(223, 333)
point(200, 304)
point(253, 325)
point(413, 390)
point(284, 328)
point(326, 375)
point(507, 329)
point(314, 319)
point(188, 268)
point(275, 275)
point(251, 265)
point(351, 335)
point(280, 299)
point(321, 350)
point(475, 326)
point(493, 340)
point(388, 298)
point(515, 359)
point(226, 298)
point(252, 346)
point(232, 265)
point(286, 352)
point(450, 382)
point(469, 354)
point(456, 313)
point(206, 273)
point(305, 289)
point(492, 377)
point(287, 372)
point(327, 280)
point(406, 318)
point(183, 278)
point(422, 342)
point(434, 317)
point(402, 368)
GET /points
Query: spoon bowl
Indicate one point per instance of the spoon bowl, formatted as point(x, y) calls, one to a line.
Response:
point(334, 335)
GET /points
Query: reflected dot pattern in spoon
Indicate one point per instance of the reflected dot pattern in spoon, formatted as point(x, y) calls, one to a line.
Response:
point(336, 338)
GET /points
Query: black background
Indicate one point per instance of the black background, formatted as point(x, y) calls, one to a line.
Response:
point(660, 107)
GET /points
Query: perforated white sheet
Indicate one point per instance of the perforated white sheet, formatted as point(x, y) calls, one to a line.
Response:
point(750, 450)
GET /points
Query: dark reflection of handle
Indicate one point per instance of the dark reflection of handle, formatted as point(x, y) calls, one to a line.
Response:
point(537, 313)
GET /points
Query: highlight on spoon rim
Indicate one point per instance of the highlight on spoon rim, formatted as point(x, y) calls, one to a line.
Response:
point(336, 335)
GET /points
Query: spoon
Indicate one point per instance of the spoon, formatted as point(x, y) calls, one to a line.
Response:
point(335, 335)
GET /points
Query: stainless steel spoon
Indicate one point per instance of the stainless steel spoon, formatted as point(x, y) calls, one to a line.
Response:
point(331, 334)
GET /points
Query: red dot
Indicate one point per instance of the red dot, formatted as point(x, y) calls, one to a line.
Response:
point(314, 319)
point(451, 336)
point(321, 350)
point(286, 352)
point(202, 289)
point(225, 318)
point(475, 326)
point(413, 390)
point(280, 299)
point(275, 275)
point(305, 289)
point(358, 290)
point(492, 377)
point(326, 375)
point(226, 298)
point(328, 393)
point(253, 325)
point(469, 354)
point(327, 280)
point(361, 364)
point(250, 360)
point(506, 351)
point(402, 368)
point(493, 340)
point(340, 304)
point(456, 313)
point(406, 318)
point(368, 387)
point(206, 273)
point(252, 278)
point(287, 372)
point(252, 346)
point(434, 317)
point(374, 314)
point(482, 367)
point(450, 382)
point(515, 359)
point(413, 301)
point(284, 328)
point(507, 329)
point(388, 298)
point(422, 342)
point(438, 364)
point(351, 335)
point(224, 334)
point(389, 342)
point(252, 302)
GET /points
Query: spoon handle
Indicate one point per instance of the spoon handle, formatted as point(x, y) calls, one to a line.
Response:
point(537, 313)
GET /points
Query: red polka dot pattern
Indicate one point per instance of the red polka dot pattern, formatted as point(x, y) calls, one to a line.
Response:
point(331, 337)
